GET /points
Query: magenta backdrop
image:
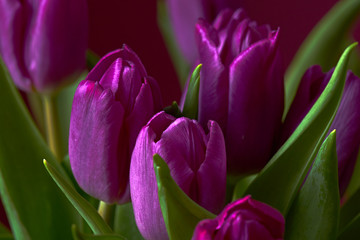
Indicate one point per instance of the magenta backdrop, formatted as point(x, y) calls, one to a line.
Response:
point(114, 22)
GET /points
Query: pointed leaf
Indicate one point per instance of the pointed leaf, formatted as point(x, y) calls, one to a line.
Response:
point(321, 46)
point(279, 181)
point(181, 214)
point(86, 210)
point(314, 213)
point(35, 207)
point(190, 109)
point(77, 235)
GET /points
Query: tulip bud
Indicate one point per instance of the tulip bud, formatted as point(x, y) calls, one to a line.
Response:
point(346, 121)
point(43, 43)
point(184, 15)
point(243, 219)
point(197, 163)
point(110, 107)
point(241, 87)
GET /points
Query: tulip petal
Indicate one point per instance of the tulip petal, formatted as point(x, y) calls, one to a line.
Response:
point(211, 176)
point(143, 187)
point(184, 153)
point(255, 106)
point(124, 80)
point(13, 21)
point(125, 52)
point(48, 46)
point(214, 81)
point(346, 123)
point(94, 141)
point(142, 112)
point(311, 86)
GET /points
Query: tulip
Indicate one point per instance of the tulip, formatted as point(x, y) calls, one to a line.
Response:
point(197, 163)
point(241, 87)
point(109, 108)
point(43, 43)
point(184, 15)
point(346, 121)
point(245, 218)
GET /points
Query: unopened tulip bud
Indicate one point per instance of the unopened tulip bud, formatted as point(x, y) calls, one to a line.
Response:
point(110, 107)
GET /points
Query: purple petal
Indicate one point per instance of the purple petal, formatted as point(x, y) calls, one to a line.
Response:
point(310, 88)
point(143, 110)
point(52, 53)
point(14, 18)
point(211, 176)
point(125, 53)
point(243, 219)
point(255, 106)
point(347, 127)
point(213, 93)
point(96, 120)
point(182, 146)
point(143, 188)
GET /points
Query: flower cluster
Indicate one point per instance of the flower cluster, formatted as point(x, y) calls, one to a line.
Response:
point(207, 170)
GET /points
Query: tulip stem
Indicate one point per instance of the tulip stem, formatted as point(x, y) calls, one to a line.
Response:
point(107, 212)
point(52, 125)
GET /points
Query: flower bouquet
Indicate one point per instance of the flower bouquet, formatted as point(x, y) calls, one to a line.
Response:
point(89, 151)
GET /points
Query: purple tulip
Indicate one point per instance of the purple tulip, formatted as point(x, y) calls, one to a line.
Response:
point(43, 42)
point(184, 15)
point(243, 219)
point(197, 163)
point(346, 120)
point(241, 87)
point(110, 107)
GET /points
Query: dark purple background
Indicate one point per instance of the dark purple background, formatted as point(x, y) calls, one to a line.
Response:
point(114, 22)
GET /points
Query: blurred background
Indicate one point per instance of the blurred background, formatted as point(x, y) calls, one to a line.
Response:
point(115, 22)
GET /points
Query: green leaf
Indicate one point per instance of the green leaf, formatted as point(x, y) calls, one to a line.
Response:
point(314, 213)
point(91, 59)
point(173, 110)
point(352, 230)
point(181, 214)
point(321, 46)
point(350, 210)
point(192, 96)
point(279, 181)
point(86, 210)
point(124, 222)
point(77, 235)
point(241, 186)
point(35, 206)
point(180, 64)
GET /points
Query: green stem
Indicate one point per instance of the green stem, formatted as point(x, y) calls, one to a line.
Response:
point(52, 125)
point(107, 212)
